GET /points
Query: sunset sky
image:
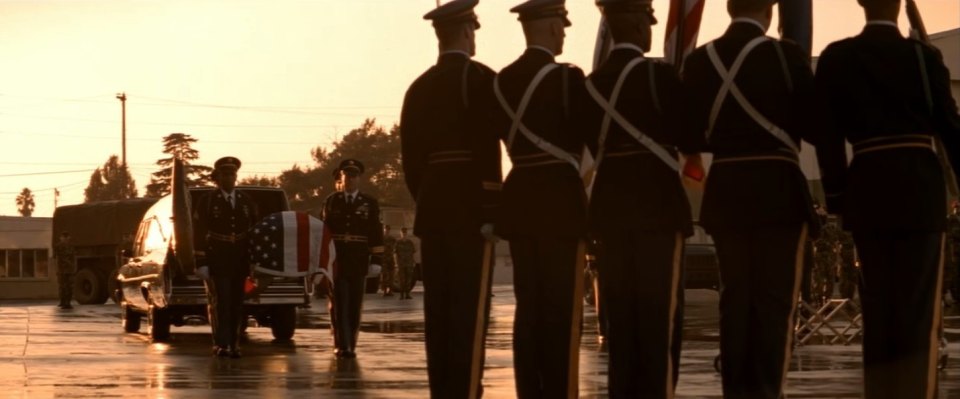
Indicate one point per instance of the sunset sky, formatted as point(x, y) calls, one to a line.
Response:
point(261, 80)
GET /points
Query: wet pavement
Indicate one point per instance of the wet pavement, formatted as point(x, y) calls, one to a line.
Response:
point(47, 352)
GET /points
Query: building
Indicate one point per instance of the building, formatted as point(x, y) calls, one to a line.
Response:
point(949, 44)
point(26, 267)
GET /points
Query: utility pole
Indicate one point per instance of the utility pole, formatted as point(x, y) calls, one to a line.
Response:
point(56, 196)
point(123, 126)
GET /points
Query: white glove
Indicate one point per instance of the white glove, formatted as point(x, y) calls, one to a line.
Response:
point(373, 270)
point(486, 230)
point(203, 272)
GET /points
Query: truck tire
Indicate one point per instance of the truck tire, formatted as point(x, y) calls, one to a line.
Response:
point(89, 287)
point(159, 324)
point(283, 322)
point(129, 319)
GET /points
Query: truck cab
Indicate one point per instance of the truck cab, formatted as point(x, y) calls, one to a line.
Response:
point(153, 285)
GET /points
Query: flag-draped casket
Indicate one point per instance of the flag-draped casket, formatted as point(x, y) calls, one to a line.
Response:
point(291, 244)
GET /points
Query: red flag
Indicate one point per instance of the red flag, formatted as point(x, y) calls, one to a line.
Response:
point(685, 25)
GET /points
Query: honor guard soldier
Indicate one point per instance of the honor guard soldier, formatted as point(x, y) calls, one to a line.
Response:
point(752, 96)
point(451, 162)
point(388, 276)
point(354, 219)
point(222, 218)
point(543, 208)
point(889, 97)
point(66, 267)
point(638, 206)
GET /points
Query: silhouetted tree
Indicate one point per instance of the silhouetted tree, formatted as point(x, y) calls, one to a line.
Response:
point(25, 203)
point(257, 180)
point(177, 145)
point(112, 181)
point(377, 149)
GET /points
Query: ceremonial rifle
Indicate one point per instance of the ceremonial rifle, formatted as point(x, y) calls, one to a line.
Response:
point(919, 31)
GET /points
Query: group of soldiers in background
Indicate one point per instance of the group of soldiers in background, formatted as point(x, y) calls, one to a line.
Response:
point(398, 264)
point(746, 98)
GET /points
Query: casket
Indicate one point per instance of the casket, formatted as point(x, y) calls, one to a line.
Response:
point(289, 244)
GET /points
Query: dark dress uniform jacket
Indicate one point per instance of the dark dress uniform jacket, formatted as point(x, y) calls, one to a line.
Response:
point(451, 160)
point(872, 87)
point(749, 194)
point(218, 221)
point(357, 224)
point(545, 201)
point(639, 192)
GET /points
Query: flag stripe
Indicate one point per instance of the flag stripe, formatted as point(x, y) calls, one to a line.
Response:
point(303, 242)
point(291, 250)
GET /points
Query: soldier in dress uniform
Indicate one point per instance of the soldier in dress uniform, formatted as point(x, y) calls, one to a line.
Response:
point(405, 263)
point(354, 219)
point(222, 219)
point(66, 267)
point(451, 162)
point(752, 96)
point(388, 274)
point(638, 205)
point(889, 96)
point(543, 208)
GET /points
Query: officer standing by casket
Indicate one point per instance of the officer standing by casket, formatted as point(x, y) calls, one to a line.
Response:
point(543, 207)
point(354, 219)
point(222, 219)
point(638, 206)
point(451, 162)
point(752, 96)
point(889, 97)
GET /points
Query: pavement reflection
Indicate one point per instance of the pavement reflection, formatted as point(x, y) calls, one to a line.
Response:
point(47, 352)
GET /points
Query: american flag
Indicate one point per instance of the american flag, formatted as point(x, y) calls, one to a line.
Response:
point(685, 24)
point(292, 244)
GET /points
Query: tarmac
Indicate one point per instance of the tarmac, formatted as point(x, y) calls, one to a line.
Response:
point(46, 352)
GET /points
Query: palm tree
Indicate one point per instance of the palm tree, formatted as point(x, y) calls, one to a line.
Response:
point(25, 203)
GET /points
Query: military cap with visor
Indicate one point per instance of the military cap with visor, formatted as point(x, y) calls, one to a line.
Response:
point(625, 6)
point(454, 12)
point(225, 163)
point(539, 9)
point(350, 167)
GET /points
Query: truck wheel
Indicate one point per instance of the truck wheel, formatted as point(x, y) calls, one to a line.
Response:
point(130, 319)
point(88, 287)
point(283, 322)
point(159, 324)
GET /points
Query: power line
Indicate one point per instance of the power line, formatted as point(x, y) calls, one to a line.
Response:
point(177, 124)
point(46, 173)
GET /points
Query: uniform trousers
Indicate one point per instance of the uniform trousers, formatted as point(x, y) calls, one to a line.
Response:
point(760, 274)
point(900, 290)
point(456, 302)
point(228, 271)
point(548, 285)
point(346, 300)
point(641, 282)
point(65, 283)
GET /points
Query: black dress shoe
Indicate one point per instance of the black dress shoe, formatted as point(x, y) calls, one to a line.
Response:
point(67, 306)
point(345, 354)
point(234, 353)
point(221, 351)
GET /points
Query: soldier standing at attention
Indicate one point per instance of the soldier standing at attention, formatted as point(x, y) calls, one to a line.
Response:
point(639, 207)
point(889, 97)
point(66, 267)
point(222, 218)
point(405, 263)
point(752, 96)
point(354, 219)
point(543, 209)
point(451, 161)
point(389, 272)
